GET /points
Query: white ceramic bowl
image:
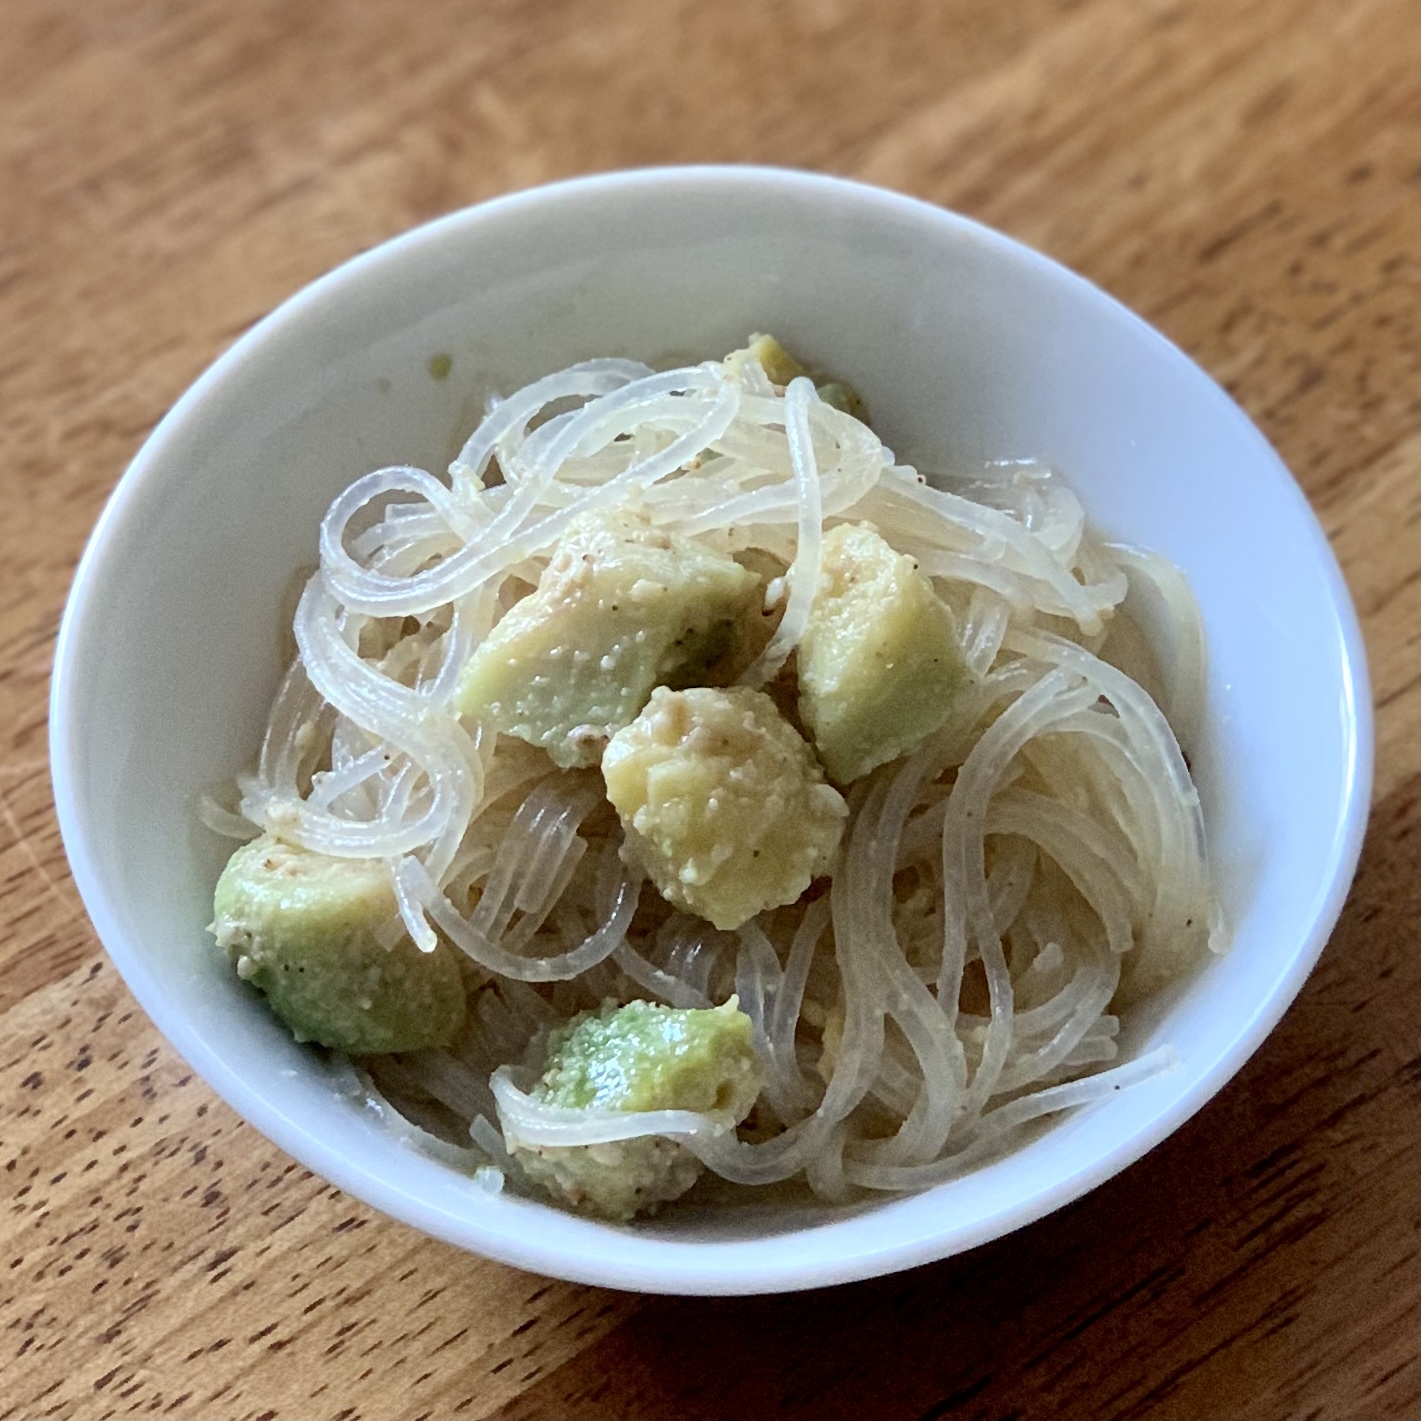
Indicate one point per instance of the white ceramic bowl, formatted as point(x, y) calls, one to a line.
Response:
point(963, 342)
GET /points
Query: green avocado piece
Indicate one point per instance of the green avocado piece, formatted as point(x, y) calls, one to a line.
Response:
point(621, 608)
point(648, 1057)
point(878, 663)
point(639, 1057)
point(300, 927)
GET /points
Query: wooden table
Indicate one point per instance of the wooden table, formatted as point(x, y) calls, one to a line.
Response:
point(1242, 174)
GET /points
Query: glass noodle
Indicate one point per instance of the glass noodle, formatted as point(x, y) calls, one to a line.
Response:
point(1002, 891)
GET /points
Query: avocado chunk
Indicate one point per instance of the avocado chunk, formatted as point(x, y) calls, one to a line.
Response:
point(640, 1056)
point(622, 607)
point(723, 804)
point(879, 660)
point(300, 927)
point(781, 367)
point(777, 363)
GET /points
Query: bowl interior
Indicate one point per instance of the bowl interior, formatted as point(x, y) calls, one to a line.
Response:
point(967, 347)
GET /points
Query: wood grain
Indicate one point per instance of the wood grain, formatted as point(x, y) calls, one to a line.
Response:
point(1242, 175)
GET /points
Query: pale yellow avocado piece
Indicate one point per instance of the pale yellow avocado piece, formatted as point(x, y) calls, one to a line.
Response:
point(640, 1056)
point(771, 356)
point(724, 806)
point(301, 927)
point(781, 367)
point(622, 607)
point(879, 661)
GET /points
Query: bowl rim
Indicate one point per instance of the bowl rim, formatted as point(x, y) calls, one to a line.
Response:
point(655, 1264)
